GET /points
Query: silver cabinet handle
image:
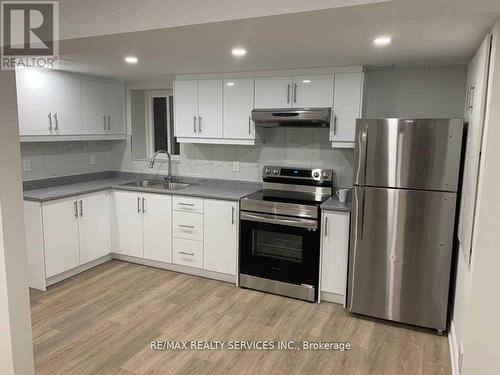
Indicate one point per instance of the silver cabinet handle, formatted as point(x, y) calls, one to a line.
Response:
point(194, 124)
point(143, 206)
point(56, 121)
point(295, 93)
point(138, 205)
point(50, 122)
point(249, 124)
point(467, 91)
point(75, 205)
point(186, 204)
point(471, 97)
point(185, 226)
point(81, 208)
point(232, 215)
point(288, 93)
point(104, 119)
point(326, 226)
point(109, 122)
point(184, 253)
point(199, 124)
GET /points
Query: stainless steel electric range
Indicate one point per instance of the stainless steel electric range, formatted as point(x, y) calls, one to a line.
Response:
point(280, 232)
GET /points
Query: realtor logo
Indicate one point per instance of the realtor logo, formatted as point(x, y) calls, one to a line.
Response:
point(29, 34)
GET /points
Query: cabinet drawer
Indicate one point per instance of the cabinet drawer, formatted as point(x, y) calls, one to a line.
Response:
point(188, 225)
point(188, 252)
point(188, 204)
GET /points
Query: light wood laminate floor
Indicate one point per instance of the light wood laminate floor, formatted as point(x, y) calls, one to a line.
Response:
point(103, 320)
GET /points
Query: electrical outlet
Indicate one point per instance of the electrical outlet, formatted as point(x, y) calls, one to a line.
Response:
point(236, 166)
point(26, 165)
point(92, 159)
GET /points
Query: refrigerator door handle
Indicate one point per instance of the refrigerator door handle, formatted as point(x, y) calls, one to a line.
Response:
point(360, 212)
point(362, 155)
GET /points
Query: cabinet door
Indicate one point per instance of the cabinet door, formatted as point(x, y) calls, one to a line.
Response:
point(273, 92)
point(186, 108)
point(335, 247)
point(126, 222)
point(67, 103)
point(49, 103)
point(238, 105)
point(94, 226)
point(210, 108)
point(347, 106)
point(115, 107)
point(315, 90)
point(93, 107)
point(221, 236)
point(157, 227)
point(60, 231)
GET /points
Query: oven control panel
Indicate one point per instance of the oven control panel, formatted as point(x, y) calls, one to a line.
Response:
point(303, 174)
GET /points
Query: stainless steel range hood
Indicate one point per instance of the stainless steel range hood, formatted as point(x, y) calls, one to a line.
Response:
point(296, 117)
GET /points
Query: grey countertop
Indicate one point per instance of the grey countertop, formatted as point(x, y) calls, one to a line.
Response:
point(215, 189)
point(333, 204)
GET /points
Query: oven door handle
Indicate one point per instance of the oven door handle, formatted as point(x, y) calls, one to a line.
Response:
point(273, 219)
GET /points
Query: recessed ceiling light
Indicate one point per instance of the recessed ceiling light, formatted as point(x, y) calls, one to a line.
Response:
point(230, 84)
point(306, 81)
point(382, 41)
point(131, 60)
point(239, 52)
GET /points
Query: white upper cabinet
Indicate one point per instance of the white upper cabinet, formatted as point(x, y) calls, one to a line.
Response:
point(49, 103)
point(347, 107)
point(186, 108)
point(103, 106)
point(238, 105)
point(198, 108)
point(273, 92)
point(310, 91)
point(55, 105)
point(210, 108)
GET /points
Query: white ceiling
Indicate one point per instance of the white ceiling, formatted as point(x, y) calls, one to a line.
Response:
point(425, 33)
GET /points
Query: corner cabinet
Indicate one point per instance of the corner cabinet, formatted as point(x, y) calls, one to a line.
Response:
point(334, 255)
point(62, 106)
point(66, 235)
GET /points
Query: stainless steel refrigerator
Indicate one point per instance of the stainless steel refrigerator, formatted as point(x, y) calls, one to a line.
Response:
point(406, 176)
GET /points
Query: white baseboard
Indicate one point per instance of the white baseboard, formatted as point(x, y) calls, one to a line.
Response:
point(77, 270)
point(454, 349)
point(177, 268)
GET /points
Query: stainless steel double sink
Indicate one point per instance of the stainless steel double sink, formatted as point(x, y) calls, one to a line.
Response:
point(157, 184)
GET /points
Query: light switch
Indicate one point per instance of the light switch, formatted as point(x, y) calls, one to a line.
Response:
point(92, 159)
point(236, 166)
point(26, 165)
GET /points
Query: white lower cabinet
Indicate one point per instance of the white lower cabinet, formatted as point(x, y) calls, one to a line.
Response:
point(157, 228)
point(188, 252)
point(221, 236)
point(335, 247)
point(127, 223)
point(60, 232)
point(75, 231)
point(142, 225)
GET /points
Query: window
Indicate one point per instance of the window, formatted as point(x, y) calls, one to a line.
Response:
point(160, 122)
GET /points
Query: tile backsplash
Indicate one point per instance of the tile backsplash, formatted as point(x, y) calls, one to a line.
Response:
point(291, 147)
point(51, 159)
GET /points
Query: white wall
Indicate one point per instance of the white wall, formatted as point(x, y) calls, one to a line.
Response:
point(416, 92)
point(16, 354)
point(481, 338)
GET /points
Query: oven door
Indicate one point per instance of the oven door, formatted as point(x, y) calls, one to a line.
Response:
point(280, 248)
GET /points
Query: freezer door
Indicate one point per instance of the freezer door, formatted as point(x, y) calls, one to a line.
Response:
point(408, 154)
point(400, 255)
